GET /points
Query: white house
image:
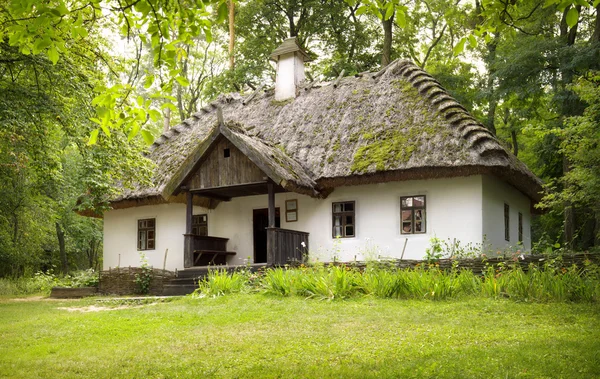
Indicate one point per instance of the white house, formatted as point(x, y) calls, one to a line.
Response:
point(376, 164)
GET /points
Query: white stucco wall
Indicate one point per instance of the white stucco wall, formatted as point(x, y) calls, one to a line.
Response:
point(289, 74)
point(120, 235)
point(457, 208)
point(453, 211)
point(496, 193)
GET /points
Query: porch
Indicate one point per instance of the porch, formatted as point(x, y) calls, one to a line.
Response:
point(273, 245)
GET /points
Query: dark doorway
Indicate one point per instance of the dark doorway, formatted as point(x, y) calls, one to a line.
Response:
point(260, 222)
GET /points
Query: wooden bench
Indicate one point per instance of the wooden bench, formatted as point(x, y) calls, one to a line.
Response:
point(207, 257)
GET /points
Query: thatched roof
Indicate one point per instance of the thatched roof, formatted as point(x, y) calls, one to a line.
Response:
point(398, 124)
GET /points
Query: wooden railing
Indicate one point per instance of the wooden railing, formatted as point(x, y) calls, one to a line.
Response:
point(194, 243)
point(286, 246)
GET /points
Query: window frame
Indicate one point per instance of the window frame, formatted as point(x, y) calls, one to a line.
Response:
point(506, 222)
point(520, 230)
point(413, 219)
point(200, 224)
point(291, 210)
point(145, 239)
point(343, 214)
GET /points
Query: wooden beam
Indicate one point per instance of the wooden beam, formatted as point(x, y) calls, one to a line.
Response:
point(199, 191)
point(214, 196)
point(271, 204)
point(189, 211)
point(339, 78)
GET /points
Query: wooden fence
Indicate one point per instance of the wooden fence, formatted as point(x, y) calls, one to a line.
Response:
point(479, 265)
point(121, 281)
point(286, 246)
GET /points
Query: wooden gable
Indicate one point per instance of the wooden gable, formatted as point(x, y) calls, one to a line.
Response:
point(225, 165)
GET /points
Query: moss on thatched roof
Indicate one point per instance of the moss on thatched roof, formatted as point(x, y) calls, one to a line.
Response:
point(399, 124)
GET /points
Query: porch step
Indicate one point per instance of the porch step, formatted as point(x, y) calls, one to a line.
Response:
point(186, 280)
point(178, 289)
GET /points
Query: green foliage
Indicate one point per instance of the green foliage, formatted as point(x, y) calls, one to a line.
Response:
point(433, 252)
point(221, 282)
point(143, 280)
point(61, 31)
point(550, 282)
point(579, 144)
point(42, 282)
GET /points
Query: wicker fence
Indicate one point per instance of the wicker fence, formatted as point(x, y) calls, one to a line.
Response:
point(479, 265)
point(121, 281)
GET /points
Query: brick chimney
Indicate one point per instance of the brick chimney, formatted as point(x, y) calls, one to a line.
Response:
point(290, 60)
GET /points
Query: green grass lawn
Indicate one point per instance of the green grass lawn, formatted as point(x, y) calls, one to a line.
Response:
point(261, 336)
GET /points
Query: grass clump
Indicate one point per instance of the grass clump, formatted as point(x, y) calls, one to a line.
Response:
point(552, 282)
point(548, 283)
point(222, 282)
point(42, 282)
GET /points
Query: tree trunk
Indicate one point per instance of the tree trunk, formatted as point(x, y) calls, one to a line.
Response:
point(569, 108)
point(386, 56)
point(515, 143)
point(231, 33)
point(60, 234)
point(569, 213)
point(596, 35)
point(490, 123)
point(597, 226)
point(15, 235)
point(167, 120)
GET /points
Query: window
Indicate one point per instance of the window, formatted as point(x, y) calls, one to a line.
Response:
point(146, 234)
point(200, 225)
point(291, 210)
point(506, 222)
point(226, 153)
point(343, 220)
point(412, 214)
point(520, 227)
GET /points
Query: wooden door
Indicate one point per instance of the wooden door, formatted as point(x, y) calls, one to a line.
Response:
point(260, 222)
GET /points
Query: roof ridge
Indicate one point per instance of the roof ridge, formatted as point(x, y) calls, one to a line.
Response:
point(479, 138)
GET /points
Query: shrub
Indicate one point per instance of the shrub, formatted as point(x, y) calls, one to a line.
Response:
point(143, 280)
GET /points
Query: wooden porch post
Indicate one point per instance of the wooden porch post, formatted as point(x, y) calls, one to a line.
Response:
point(188, 241)
point(271, 204)
point(270, 232)
point(189, 211)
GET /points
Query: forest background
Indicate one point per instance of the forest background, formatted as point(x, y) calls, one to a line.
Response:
point(86, 85)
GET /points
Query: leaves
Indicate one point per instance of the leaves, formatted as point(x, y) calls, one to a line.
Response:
point(572, 17)
point(222, 11)
point(53, 54)
point(182, 80)
point(401, 19)
point(93, 137)
point(460, 47)
point(148, 137)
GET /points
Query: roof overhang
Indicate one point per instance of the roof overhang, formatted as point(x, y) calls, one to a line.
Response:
point(276, 165)
point(226, 193)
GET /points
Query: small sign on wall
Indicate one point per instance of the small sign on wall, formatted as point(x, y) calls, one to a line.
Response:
point(291, 210)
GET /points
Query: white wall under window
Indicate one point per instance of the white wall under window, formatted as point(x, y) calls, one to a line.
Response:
point(496, 193)
point(120, 235)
